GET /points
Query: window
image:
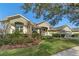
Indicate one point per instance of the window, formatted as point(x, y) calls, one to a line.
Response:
point(44, 29)
point(19, 26)
point(34, 29)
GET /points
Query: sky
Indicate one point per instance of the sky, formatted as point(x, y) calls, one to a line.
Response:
point(9, 9)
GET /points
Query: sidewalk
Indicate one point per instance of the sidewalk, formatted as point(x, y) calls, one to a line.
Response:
point(69, 52)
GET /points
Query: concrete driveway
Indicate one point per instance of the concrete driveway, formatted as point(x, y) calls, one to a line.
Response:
point(69, 52)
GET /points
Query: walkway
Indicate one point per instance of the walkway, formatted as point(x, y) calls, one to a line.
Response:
point(69, 52)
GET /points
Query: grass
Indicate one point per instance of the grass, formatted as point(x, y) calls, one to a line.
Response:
point(46, 48)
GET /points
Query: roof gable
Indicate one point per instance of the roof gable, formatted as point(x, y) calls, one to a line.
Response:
point(9, 18)
point(62, 27)
point(14, 17)
point(44, 24)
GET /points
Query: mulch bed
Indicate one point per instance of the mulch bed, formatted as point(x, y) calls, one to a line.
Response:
point(4, 47)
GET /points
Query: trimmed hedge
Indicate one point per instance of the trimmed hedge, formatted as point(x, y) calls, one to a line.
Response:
point(75, 35)
point(58, 35)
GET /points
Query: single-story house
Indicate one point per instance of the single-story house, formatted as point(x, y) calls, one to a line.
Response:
point(17, 22)
point(25, 26)
point(65, 29)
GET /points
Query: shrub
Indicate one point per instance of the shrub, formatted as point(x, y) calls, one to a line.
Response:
point(21, 40)
point(47, 37)
point(62, 35)
point(15, 40)
point(7, 41)
point(36, 35)
point(18, 38)
point(75, 35)
point(56, 35)
point(1, 42)
point(27, 40)
point(16, 34)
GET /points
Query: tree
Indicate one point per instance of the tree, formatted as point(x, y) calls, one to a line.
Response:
point(4, 27)
point(54, 12)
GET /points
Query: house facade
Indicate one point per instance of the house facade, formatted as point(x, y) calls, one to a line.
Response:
point(25, 26)
point(43, 28)
point(65, 29)
point(18, 22)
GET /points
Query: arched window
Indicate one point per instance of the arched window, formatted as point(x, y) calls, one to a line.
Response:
point(19, 26)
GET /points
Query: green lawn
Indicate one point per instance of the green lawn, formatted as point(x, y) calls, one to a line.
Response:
point(46, 48)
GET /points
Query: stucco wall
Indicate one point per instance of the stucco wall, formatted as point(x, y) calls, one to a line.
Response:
point(45, 24)
point(19, 20)
point(67, 29)
point(75, 32)
point(22, 20)
point(12, 29)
